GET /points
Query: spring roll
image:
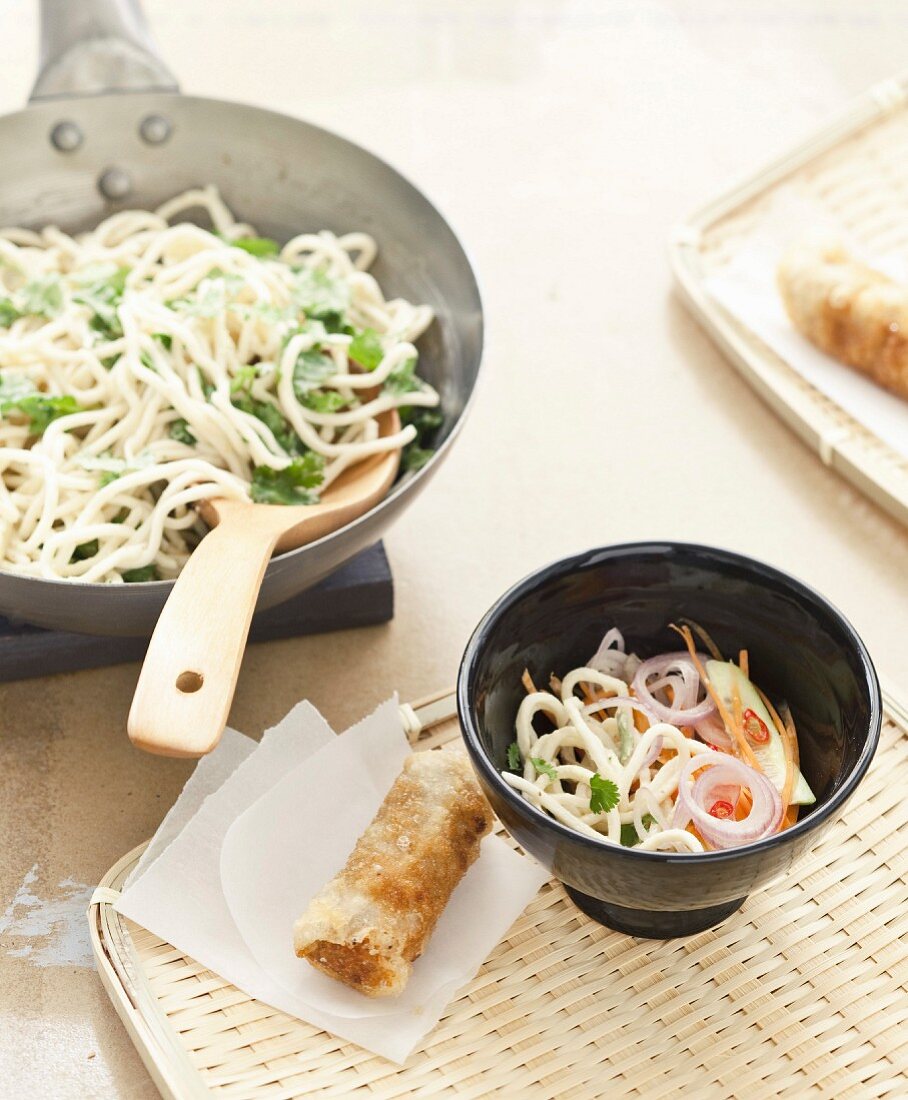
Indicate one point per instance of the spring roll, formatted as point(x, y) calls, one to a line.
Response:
point(369, 923)
point(849, 310)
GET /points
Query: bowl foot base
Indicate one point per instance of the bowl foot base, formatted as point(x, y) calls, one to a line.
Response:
point(650, 924)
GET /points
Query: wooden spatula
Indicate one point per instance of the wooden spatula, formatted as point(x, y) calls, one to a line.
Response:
point(189, 676)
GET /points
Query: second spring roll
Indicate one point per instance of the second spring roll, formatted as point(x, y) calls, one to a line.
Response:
point(369, 923)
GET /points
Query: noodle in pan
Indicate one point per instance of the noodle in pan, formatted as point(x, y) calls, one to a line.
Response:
point(146, 366)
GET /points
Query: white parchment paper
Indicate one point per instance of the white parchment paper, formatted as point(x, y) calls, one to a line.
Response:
point(747, 289)
point(266, 898)
point(228, 888)
point(210, 773)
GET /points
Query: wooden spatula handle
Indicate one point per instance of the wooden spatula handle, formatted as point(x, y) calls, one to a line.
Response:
point(187, 682)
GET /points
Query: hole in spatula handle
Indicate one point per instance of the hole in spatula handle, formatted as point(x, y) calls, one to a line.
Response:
point(189, 682)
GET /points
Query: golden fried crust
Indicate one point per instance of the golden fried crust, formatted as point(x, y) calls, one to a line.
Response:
point(381, 909)
point(850, 311)
point(355, 965)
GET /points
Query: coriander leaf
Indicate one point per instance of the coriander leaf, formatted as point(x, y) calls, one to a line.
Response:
point(257, 246)
point(107, 476)
point(212, 296)
point(514, 757)
point(271, 416)
point(311, 369)
point(243, 378)
point(403, 379)
point(117, 282)
point(276, 315)
point(323, 401)
point(163, 338)
point(42, 297)
point(604, 797)
point(333, 320)
point(19, 397)
point(102, 296)
point(143, 573)
point(630, 836)
point(425, 420)
point(40, 408)
point(309, 326)
point(85, 550)
point(413, 457)
point(544, 767)
point(318, 295)
point(179, 430)
point(292, 485)
point(415, 454)
point(366, 349)
point(8, 312)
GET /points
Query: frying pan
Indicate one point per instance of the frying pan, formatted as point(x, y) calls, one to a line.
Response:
point(107, 129)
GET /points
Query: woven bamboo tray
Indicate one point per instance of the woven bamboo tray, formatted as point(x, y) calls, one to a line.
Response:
point(804, 991)
point(854, 171)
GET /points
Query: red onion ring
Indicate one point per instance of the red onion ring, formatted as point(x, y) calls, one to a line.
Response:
point(610, 657)
point(681, 713)
point(621, 701)
point(720, 773)
point(712, 730)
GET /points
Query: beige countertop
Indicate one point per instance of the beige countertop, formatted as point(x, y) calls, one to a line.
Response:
point(563, 139)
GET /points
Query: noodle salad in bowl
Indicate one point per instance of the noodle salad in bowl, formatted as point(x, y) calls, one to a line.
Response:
point(680, 752)
point(147, 366)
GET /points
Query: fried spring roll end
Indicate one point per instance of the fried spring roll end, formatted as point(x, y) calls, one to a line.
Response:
point(850, 311)
point(370, 922)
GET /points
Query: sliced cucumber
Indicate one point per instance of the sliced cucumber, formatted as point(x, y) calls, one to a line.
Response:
point(724, 676)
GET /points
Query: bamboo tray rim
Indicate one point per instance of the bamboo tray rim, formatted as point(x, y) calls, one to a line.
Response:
point(120, 967)
point(881, 474)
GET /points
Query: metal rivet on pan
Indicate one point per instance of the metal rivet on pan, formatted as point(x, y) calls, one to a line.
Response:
point(66, 136)
point(114, 183)
point(155, 129)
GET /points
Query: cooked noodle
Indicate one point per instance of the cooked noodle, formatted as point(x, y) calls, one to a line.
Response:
point(146, 366)
point(658, 755)
point(584, 745)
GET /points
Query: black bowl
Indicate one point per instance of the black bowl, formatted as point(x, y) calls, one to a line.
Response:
point(801, 650)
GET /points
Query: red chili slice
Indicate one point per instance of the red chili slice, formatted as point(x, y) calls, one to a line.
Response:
point(755, 727)
point(722, 809)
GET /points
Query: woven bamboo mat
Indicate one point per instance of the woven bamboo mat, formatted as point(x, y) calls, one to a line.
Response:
point(803, 992)
point(853, 171)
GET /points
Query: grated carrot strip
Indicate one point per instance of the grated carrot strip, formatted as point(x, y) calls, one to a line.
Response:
point(745, 750)
point(788, 786)
point(792, 758)
point(790, 726)
point(527, 680)
point(737, 708)
point(744, 663)
point(744, 804)
point(714, 650)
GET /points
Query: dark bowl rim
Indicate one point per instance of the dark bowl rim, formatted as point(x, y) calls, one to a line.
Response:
point(564, 567)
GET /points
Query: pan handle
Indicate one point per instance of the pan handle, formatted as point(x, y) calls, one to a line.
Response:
point(93, 46)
